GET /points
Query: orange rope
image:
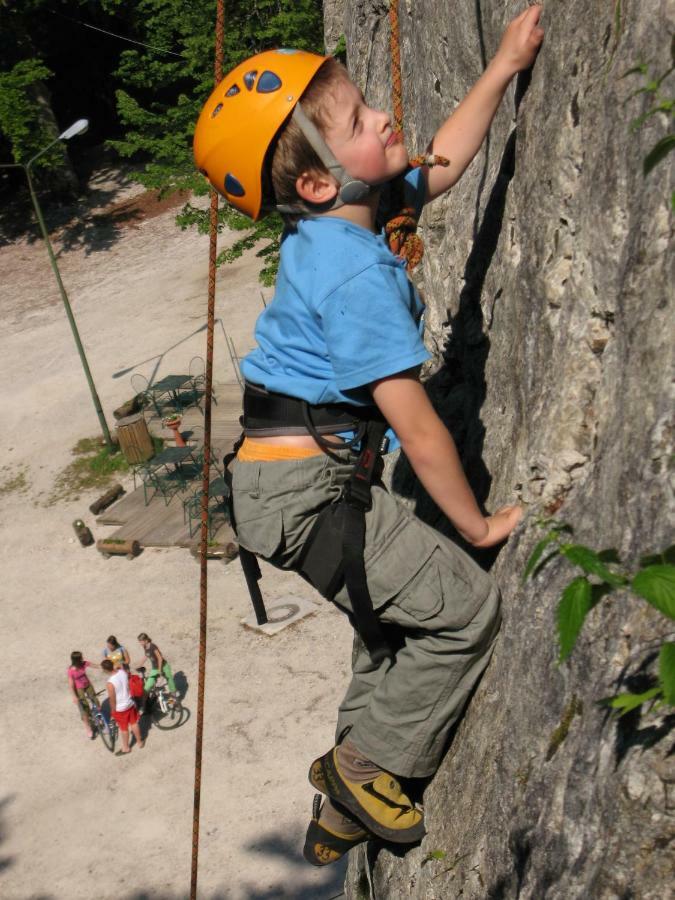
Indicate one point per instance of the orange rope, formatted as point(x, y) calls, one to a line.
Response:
point(401, 229)
point(208, 387)
point(395, 47)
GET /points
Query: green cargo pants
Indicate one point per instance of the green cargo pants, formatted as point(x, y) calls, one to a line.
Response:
point(419, 581)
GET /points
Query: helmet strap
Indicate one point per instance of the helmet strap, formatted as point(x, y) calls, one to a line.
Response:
point(351, 189)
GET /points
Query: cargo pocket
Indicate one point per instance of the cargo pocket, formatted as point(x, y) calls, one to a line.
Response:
point(441, 591)
point(263, 535)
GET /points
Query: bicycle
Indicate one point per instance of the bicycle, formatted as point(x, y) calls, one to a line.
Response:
point(165, 710)
point(99, 725)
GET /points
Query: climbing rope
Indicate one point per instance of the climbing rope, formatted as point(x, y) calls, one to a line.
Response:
point(208, 387)
point(401, 230)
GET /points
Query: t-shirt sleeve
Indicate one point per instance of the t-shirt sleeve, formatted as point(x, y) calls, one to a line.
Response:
point(369, 327)
point(415, 188)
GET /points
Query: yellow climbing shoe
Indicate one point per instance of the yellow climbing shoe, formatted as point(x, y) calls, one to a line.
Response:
point(325, 845)
point(380, 805)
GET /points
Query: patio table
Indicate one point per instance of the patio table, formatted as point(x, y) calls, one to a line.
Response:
point(170, 386)
point(171, 456)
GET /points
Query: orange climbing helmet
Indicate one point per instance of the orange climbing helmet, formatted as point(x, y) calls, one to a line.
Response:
point(241, 117)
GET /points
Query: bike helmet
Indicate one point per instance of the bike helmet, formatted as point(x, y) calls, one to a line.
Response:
point(241, 118)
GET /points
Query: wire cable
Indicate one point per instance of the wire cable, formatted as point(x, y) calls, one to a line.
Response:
point(120, 37)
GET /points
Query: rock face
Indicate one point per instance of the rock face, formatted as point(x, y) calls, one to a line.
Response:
point(548, 281)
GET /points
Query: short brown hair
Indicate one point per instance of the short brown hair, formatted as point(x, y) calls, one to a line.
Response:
point(106, 665)
point(292, 154)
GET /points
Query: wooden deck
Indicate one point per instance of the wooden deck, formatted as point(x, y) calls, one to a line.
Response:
point(163, 525)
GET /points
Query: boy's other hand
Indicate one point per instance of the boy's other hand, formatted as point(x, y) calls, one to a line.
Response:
point(500, 525)
point(521, 41)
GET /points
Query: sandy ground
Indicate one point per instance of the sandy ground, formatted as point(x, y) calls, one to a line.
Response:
point(75, 821)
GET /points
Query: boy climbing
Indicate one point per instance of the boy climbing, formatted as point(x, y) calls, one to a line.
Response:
point(336, 366)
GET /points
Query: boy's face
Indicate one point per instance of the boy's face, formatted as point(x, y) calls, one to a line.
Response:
point(362, 139)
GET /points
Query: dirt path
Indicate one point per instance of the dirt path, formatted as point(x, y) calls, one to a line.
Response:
point(75, 821)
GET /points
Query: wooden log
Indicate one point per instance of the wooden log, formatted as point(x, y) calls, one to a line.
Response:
point(84, 535)
point(129, 407)
point(118, 547)
point(106, 499)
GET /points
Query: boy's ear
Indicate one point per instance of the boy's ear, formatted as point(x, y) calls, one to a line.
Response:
point(316, 187)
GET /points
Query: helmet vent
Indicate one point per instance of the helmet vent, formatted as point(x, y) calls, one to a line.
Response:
point(232, 186)
point(249, 79)
point(216, 110)
point(268, 83)
point(232, 91)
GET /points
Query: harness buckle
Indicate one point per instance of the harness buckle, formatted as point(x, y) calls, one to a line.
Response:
point(358, 495)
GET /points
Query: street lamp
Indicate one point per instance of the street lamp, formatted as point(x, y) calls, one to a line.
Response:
point(76, 128)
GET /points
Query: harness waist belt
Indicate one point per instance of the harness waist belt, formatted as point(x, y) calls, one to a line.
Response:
point(268, 414)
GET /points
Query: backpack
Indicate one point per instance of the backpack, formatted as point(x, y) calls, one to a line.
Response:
point(135, 685)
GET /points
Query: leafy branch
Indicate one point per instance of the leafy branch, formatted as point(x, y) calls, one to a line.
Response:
point(659, 104)
point(604, 574)
point(268, 229)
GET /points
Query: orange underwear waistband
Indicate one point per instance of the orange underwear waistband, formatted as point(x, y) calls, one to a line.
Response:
point(254, 451)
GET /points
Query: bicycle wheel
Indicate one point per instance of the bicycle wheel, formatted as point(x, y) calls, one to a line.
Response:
point(107, 732)
point(175, 715)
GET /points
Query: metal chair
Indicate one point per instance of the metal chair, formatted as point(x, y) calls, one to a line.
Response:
point(195, 439)
point(142, 388)
point(167, 484)
point(192, 508)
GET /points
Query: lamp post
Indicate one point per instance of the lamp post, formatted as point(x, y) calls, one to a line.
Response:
point(78, 127)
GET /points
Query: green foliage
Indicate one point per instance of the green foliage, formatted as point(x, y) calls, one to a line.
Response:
point(161, 93)
point(651, 88)
point(340, 51)
point(13, 481)
point(94, 467)
point(654, 582)
point(433, 854)
point(267, 229)
point(575, 604)
point(161, 96)
point(26, 133)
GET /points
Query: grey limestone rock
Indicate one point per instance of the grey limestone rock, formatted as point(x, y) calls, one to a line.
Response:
point(548, 282)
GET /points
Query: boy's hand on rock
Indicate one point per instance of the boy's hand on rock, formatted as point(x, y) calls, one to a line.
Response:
point(500, 525)
point(521, 41)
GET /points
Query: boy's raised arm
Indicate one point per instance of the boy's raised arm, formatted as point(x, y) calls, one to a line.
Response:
point(432, 453)
point(461, 136)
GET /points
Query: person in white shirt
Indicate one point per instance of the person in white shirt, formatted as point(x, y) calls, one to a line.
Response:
point(122, 706)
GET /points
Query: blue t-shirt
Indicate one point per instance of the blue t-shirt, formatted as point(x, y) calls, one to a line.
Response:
point(344, 313)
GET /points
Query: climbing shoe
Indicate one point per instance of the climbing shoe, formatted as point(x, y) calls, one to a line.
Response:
point(379, 803)
point(327, 842)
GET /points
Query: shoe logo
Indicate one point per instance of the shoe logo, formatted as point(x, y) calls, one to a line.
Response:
point(369, 788)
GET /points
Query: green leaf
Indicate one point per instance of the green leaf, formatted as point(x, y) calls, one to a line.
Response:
point(590, 562)
point(667, 672)
point(627, 702)
point(433, 854)
point(657, 153)
point(537, 554)
point(656, 584)
point(609, 556)
point(574, 605)
point(641, 69)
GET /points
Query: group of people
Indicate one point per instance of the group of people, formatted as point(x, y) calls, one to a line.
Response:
point(127, 703)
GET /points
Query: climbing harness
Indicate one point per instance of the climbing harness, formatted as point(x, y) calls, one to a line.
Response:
point(332, 554)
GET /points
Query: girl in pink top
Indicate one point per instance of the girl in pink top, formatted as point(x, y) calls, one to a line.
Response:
point(80, 686)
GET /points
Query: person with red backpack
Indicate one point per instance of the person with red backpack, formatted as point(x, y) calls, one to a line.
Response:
point(122, 706)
